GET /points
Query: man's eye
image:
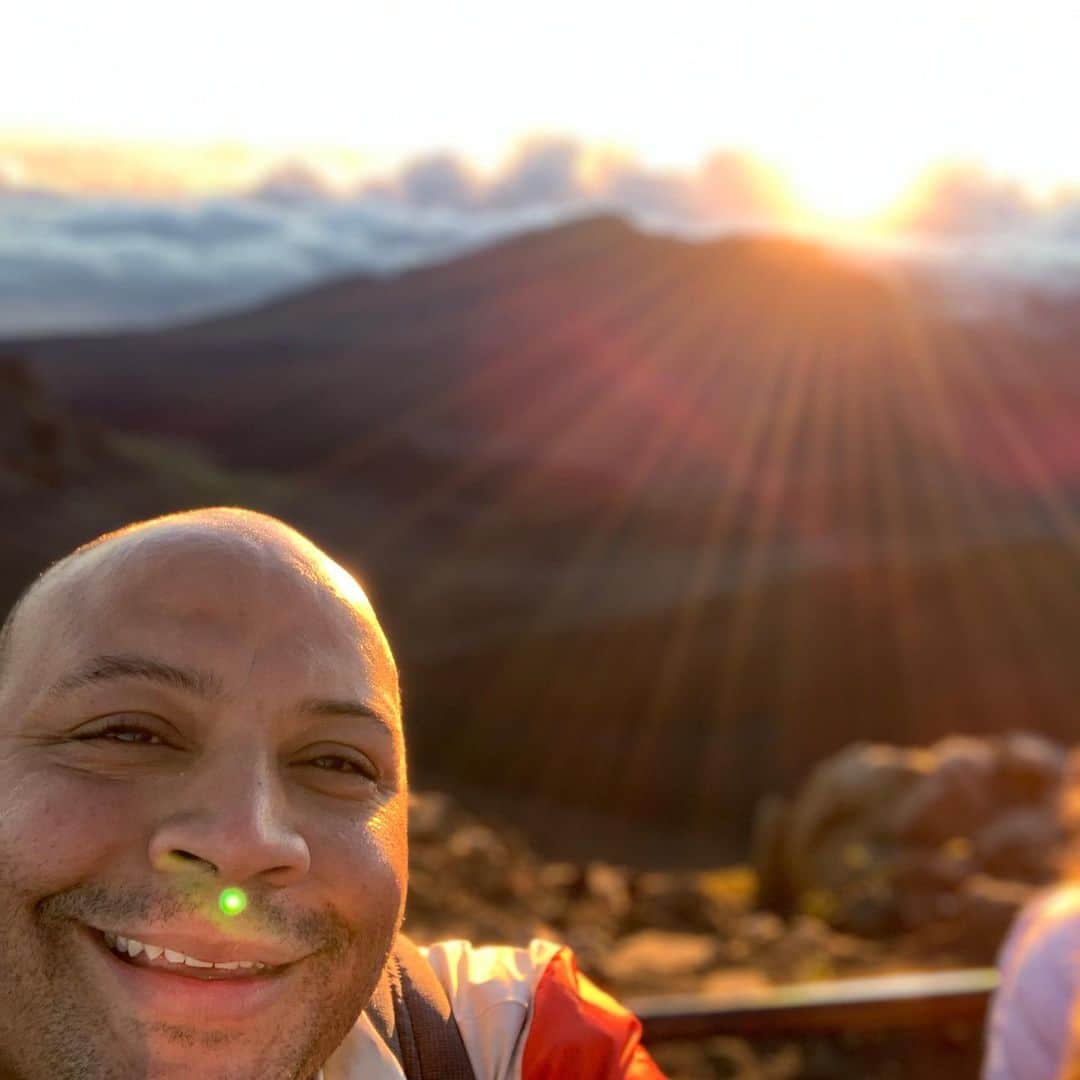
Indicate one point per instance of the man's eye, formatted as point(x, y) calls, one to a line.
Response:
point(133, 735)
point(130, 736)
point(345, 766)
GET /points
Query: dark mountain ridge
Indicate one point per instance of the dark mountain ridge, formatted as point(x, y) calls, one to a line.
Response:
point(654, 524)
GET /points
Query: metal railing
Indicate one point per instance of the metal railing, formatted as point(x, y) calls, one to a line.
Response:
point(874, 1004)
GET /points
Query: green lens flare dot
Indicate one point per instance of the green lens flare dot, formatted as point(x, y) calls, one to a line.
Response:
point(232, 901)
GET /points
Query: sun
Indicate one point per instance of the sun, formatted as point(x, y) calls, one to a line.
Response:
point(845, 199)
point(847, 193)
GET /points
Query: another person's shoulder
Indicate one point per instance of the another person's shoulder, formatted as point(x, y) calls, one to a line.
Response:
point(1029, 1030)
point(528, 1014)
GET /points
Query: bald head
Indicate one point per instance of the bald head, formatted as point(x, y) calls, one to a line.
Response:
point(223, 547)
point(201, 702)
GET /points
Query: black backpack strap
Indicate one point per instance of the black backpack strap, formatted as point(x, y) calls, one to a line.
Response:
point(427, 1036)
point(380, 1009)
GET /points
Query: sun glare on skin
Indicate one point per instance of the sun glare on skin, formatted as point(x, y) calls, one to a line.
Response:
point(232, 901)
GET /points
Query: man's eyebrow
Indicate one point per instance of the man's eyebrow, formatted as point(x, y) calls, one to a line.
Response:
point(128, 666)
point(344, 707)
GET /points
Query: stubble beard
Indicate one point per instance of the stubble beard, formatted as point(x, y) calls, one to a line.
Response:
point(52, 1025)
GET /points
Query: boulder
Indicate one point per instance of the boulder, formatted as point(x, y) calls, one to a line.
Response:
point(953, 799)
point(835, 819)
point(882, 839)
point(985, 909)
point(1027, 768)
point(1019, 844)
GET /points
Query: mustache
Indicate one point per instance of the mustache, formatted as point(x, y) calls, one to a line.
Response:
point(90, 902)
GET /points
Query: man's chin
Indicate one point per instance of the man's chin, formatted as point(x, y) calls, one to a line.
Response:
point(175, 1054)
point(164, 1025)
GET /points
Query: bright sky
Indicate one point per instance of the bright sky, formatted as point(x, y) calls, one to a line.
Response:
point(850, 99)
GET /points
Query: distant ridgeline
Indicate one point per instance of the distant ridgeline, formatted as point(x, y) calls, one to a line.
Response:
point(654, 525)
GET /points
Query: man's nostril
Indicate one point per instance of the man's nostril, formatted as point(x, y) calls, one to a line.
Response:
point(188, 856)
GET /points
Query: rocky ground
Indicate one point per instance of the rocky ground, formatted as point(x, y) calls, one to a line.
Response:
point(887, 859)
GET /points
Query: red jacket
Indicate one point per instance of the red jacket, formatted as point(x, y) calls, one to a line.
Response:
point(523, 1014)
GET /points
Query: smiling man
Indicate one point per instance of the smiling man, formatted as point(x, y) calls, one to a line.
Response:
point(203, 858)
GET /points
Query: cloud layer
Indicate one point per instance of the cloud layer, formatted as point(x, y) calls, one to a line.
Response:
point(77, 263)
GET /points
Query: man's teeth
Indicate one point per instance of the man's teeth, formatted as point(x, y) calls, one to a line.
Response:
point(131, 947)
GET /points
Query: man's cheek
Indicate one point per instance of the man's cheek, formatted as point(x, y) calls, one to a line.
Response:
point(357, 853)
point(53, 825)
point(373, 893)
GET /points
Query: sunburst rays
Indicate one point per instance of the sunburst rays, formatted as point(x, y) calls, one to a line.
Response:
point(758, 474)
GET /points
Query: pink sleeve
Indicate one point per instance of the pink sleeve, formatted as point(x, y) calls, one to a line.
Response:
point(1028, 1031)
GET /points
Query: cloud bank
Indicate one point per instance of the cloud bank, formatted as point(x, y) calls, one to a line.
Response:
point(78, 263)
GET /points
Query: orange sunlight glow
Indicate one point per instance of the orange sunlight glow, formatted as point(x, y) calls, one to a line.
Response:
point(86, 166)
point(849, 195)
point(849, 191)
point(847, 198)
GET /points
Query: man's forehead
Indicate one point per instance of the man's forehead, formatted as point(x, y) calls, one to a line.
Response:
point(196, 585)
point(189, 576)
point(197, 574)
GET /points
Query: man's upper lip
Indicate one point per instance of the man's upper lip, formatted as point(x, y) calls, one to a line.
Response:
point(212, 947)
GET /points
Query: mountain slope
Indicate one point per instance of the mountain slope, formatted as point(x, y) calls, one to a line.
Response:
point(669, 519)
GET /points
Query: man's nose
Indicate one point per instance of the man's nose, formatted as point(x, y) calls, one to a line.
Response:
point(231, 818)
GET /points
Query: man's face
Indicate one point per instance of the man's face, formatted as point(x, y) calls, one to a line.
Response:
point(175, 720)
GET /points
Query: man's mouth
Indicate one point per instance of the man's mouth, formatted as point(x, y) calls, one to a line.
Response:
point(162, 958)
point(232, 982)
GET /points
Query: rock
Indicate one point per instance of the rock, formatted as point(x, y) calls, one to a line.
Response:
point(1027, 768)
point(882, 840)
point(478, 842)
point(840, 809)
point(679, 901)
point(751, 937)
point(480, 859)
point(952, 800)
point(735, 982)
point(429, 816)
point(931, 871)
point(592, 944)
point(555, 885)
point(562, 877)
point(1019, 844)
point(768, 855)
point(608, 884)
point(869, 909)
point(648, 957)
point(808, 950)
point(761, 928)
point(986, 908)
point(726, 1057)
